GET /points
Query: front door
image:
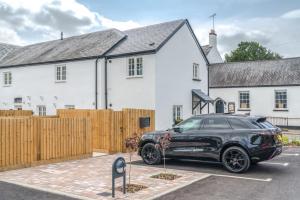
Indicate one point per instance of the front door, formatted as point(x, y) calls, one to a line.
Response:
point(220, 106)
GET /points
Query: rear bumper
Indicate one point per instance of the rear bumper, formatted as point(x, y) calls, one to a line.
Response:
point(266, 154)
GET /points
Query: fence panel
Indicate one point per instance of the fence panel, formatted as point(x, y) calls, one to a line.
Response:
point(31, 141)
point(13, 113)
point(110, 128)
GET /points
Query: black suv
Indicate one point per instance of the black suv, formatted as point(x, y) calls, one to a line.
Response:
point(237, 141)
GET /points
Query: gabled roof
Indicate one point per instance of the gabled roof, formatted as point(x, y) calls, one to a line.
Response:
point(6, 49)
point(110, 43)
point(76, 47)
point(146, 39)
point(282, 72)
point(206, 49)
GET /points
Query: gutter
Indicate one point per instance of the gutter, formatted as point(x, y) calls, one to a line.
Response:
point(105, 82)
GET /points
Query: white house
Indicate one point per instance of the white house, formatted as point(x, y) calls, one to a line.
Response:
point(160, 67)
point(269, 88)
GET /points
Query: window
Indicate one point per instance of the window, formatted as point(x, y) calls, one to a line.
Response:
point(41, 110)
point(135, 67)
point(18, 100)
point(7, 77)
point(69, 107)
point(215, 123)
point(61, 73)
point(244, 100)
point(280, 99)
point(196, 71)
point(238, 124)
point(139, 66)
point(190, 124)
point(18, 107)
point(177, 114)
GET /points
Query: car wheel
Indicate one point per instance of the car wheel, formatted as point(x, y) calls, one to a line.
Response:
point(236, 160)
point(150, 154)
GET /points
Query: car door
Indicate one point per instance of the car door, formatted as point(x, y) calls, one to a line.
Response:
point(213, 132)
point(184, 138)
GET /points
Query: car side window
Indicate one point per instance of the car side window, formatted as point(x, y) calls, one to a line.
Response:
point(190, 124)
point(238, 124)
point(215, 123)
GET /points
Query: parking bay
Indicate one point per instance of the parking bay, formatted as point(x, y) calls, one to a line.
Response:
point(278, 178)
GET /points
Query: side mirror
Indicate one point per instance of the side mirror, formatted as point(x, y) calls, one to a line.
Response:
point(177, 129)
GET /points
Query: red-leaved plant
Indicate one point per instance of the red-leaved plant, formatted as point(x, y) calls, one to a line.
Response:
point(163, 144)
point(132, 145)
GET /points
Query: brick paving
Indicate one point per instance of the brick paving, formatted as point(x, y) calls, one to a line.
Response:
point(89, 178)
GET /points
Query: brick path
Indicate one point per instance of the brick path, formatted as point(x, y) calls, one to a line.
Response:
point(89, 177)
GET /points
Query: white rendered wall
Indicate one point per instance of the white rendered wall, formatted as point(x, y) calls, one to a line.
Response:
point(214, 56)
point(37, 86)
point(131, 92)
point(174, 77)
point(262, 100)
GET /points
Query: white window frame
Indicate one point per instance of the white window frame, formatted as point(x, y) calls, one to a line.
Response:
point(7, 79)
point(61, 73)
point(177, 113)
point(196, 72)
point(41, 110)
point(249, 102)
point(135, 67)
point(285, 91)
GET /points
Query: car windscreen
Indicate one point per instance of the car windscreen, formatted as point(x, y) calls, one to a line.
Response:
point(189, 124)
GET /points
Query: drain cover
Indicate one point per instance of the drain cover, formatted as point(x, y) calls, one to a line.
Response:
point(104, 194)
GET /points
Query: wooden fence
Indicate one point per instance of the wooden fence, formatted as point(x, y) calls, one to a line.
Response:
point(31, 141)
point(110, 128)
point(15, 113)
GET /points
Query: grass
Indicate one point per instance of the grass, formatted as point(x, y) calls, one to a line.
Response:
point(287, 142)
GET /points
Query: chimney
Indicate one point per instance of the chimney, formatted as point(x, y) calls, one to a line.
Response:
point(213, 38)
point(61, 35)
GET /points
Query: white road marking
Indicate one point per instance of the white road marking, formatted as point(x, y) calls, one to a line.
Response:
point(275, 163)
point(290, 154)
point(242, 177)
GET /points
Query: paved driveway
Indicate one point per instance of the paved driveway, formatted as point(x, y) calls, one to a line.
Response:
point(91, 178)
point(277, 179)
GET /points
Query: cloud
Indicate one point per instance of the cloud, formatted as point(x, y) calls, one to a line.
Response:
point(278, 34)
point(36, 21)
point(293, 14)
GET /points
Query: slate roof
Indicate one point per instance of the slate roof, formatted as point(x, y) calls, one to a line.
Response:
point(139, 40)
point(76, 47)
point(206, 49)
point(282, 72)
point(148, 38)
point(5, 49)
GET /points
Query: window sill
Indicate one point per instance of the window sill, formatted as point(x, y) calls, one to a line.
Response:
point(196, 79)
point(60, 81)
point(280, 110)
point(131, 77)
point(6, 85)
point(244, 109)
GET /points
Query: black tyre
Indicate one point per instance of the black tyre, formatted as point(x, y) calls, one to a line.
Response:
point(150, 154)
point(236, 160)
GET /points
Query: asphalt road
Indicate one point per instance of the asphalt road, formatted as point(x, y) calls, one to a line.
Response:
point(13, 192)
point(277, 179)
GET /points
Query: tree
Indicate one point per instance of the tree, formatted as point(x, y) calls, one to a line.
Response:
point(163, 144)
point(250, 51)
point(131, 145)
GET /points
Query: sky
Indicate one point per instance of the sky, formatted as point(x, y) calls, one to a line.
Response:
point(273, 23)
